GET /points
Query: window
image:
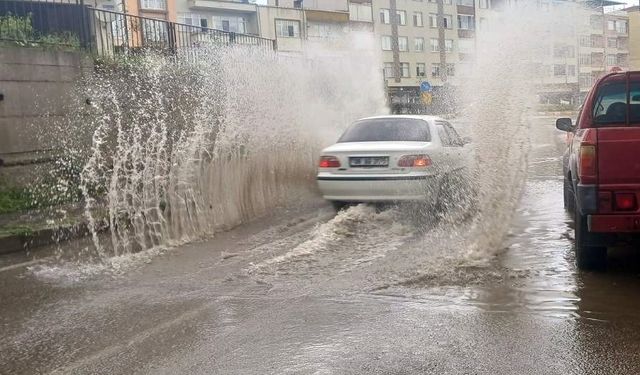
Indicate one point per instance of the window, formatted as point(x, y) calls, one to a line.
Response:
point(435, 70)
point(421, 70)
point(384, 16)
point(611, 104)
point(288, 28)
point(611, 25)
point(189, 19)
point(448, 45)
point(611, 60)
point(230, 23)
point(154, 31)
point(559, 70)
point(418, 44)
point(386, 43)
point(389, 70)
point(466, 22)
point(484, 4)
point(434, 45)
point(154, 4)
point(612, 42)
point(417, 19)
point(402, 17)
point(571, 70)
point(387, 129)
point(468, 3)
point(584, 59)
point(621, 26)
point(404, 70)
point(433, 20)
point(585, 79)
point(585, 41)
point(562, 50)
point(403, 43)
point(360, 12)
point(447, 21)
point(596, 22)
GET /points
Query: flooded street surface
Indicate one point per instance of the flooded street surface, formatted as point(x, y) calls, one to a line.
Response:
point(365, 291)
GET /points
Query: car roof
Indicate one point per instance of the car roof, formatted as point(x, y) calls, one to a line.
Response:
point(430, 119)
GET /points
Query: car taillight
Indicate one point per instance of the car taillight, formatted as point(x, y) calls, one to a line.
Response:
point(588, 158)
point(329, 162)
point(417, 161)
point(626, 202)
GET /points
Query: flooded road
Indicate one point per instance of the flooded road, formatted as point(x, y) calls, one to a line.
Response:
point(365, 291)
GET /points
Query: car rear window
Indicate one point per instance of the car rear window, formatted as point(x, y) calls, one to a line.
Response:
point(387, 129)
point(618, 103)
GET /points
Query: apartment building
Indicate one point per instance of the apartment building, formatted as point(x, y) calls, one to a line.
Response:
point(414, 49)
point(633, 13)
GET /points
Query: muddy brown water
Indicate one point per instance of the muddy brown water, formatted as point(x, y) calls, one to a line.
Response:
point(365, 291)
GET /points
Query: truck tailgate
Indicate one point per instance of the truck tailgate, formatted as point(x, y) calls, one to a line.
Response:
point(619, 157)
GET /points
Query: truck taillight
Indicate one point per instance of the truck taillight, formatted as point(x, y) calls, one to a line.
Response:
point(329, 162)
point(417, 161)
point(588, 158)
point(626, 202)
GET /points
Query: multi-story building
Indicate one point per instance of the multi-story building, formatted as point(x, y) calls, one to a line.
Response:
point(633, 13)
point(415, 49)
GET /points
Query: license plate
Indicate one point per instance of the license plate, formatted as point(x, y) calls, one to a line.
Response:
point(369, 161)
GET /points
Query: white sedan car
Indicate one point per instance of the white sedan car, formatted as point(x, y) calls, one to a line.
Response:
point(392, 158)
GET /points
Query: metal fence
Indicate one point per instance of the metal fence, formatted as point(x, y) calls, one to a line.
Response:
point(108, 33)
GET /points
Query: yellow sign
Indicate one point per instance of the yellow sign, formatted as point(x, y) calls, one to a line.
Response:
point(426, 97)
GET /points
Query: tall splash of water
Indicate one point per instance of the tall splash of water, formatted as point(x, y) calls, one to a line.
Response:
point(182, 150)
point(503, 95)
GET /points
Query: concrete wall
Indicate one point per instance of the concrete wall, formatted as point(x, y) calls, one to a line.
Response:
point(36, 87)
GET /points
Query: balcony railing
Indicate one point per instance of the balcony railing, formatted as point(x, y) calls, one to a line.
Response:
point(106, 33)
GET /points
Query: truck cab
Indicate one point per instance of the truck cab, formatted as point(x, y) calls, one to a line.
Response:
point(602, 168)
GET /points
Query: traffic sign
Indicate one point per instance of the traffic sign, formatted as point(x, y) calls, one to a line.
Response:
point(425, 86)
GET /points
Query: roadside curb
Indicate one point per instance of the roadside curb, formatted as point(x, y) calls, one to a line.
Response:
point(43, 237)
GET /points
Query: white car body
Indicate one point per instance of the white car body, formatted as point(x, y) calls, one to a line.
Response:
point(349, 183)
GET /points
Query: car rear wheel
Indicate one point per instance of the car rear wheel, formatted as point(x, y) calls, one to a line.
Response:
point(338, 205)
point(569, 196)
point(588, 257)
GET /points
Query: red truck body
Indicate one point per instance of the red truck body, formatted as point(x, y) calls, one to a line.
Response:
point(602, 166)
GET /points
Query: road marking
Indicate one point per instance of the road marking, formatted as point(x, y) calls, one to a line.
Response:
point(24, 264)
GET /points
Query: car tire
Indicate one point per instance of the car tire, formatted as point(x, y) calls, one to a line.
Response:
point(588, 257)
point(338, 205)
point(569, 196)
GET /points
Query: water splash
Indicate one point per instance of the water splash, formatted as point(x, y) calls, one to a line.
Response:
point(183, 150)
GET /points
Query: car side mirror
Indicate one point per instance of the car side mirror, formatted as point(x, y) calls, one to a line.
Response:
point(564, 124)
point(466, 140)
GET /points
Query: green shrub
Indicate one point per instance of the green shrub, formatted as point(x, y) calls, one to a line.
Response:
point(19, 30)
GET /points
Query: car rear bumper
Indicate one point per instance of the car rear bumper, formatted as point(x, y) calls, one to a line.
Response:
point(378, 188)
point(614, 223)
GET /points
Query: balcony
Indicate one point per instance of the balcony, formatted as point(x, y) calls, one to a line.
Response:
point(232, 6)
point(326, 16)
point(463, 33)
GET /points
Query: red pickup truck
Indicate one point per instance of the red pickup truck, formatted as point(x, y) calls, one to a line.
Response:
point(602, 168)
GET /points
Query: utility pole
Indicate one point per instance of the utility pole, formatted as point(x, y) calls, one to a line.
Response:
point(441, 42)
point(393, 17)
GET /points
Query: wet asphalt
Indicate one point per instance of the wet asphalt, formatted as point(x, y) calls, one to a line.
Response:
point(305, 291)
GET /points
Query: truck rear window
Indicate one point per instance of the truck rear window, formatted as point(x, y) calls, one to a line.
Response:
point(614, 103)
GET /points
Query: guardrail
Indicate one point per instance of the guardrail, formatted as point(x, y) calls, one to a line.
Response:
point(72, 23)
